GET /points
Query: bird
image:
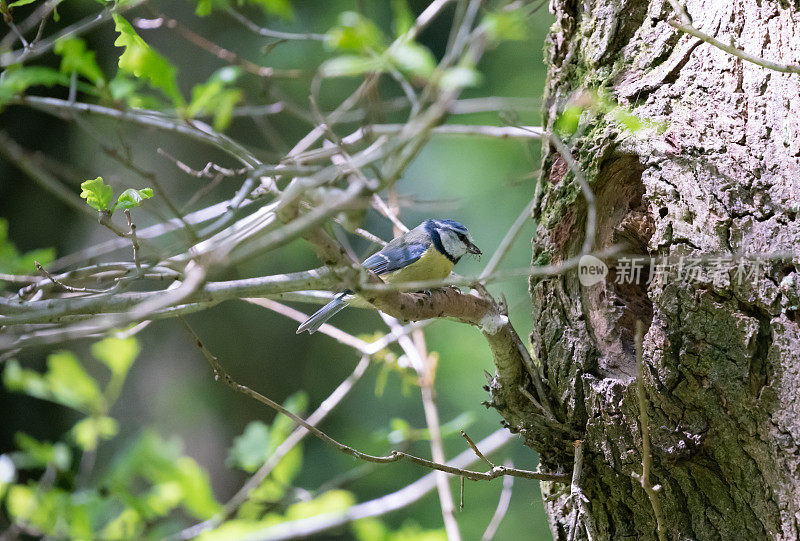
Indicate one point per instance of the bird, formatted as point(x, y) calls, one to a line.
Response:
point(427, 252)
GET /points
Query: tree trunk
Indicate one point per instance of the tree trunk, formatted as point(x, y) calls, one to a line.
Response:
point(715, 176)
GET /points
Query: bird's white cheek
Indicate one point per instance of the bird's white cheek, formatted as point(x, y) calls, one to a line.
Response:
point(453, 245)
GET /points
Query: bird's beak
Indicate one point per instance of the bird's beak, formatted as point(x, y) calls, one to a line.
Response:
point(471, 248)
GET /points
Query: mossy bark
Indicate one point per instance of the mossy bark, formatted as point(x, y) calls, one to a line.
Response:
point(716, 174)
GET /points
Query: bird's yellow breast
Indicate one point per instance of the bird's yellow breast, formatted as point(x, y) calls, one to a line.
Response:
point(432, 265)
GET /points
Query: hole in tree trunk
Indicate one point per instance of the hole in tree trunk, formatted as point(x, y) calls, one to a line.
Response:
point(614, 305)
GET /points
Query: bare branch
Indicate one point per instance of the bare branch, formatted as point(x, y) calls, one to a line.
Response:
point(500, 132)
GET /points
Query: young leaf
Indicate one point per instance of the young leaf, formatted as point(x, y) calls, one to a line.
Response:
point(132, 198)
point(203, 8)
point(117, 354)
point(215, 97)
point(281, 8)
point(505, 26)
point(87, 432)
point(97, 193)
point(460, 77)
point(354, 33)
point(70, 385)
point(19, 79)
point(140, 60)
point(39, 454)
point(412, 58)
point(65, 382)
point(402, 18)
point(251, 449)
point(76, 58)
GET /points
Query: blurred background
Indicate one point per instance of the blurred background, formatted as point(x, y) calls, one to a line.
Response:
point(482, 182)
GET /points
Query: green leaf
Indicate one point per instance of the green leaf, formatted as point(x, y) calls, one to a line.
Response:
point(97, 193)
point(21, 502)
point(354, 33)
point(203, 8)
point(132, 198)
point(70, 385)
point(39, 454)
point(350, 65)
point(281, 8)
point(333, 500)
point(127, 525)
point(76, 58)
point(176, 480)
point(402, 18)
point(117, 354)
point(460, 77)
point(65, 382)
point(216, 98)
point(258, 442)
point(87, 432)
point(18, 79)
point(19, 3)
point(141, 61)
point(412, 58)
point(505, 26)
point(251, 449)
point(567, 123)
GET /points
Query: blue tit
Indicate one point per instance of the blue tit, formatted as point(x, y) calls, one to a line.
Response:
point(427, 252)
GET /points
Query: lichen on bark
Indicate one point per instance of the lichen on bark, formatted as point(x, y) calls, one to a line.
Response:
point(722, 355)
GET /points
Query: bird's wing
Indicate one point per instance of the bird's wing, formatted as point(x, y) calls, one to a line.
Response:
point(394, 257)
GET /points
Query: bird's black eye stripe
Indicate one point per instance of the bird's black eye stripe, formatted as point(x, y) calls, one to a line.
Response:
point(461, 236)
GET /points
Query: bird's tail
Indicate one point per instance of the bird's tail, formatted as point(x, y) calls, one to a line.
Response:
point(313, 323)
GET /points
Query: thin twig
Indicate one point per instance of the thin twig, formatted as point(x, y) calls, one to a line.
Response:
point(134, 240)
point(647, 458)
point(62, 285)
point(269, 33)
point(476, 450)
point(395, 456)
point(297, 435)
point(400, 499)
point(498, 132)
point(685, 25)
point(197, 130)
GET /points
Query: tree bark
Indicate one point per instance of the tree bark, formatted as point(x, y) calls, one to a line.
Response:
point(715, 175)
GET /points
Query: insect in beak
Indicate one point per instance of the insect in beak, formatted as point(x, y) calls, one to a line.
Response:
point(471, 248)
